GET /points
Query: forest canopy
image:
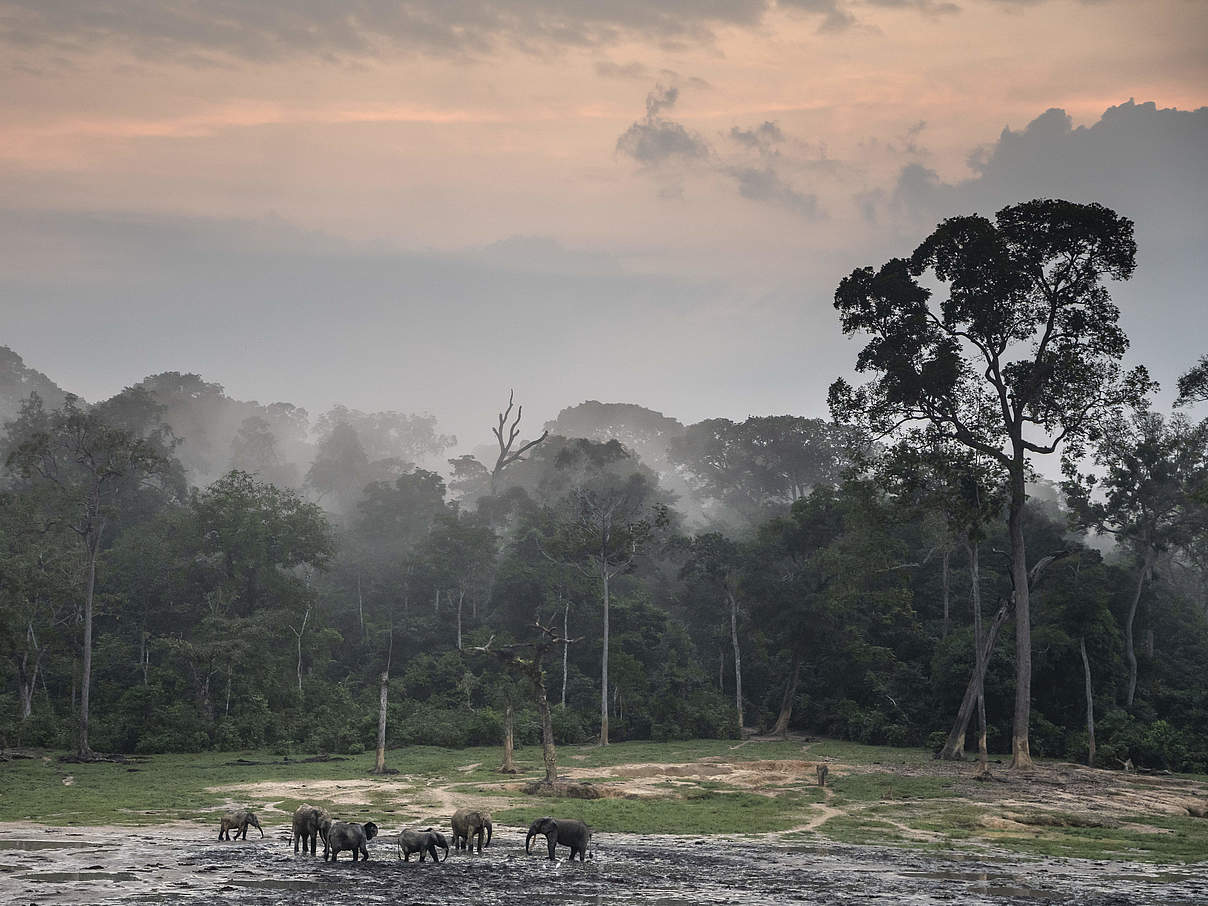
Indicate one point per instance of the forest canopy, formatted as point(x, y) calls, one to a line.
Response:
point(180, 570)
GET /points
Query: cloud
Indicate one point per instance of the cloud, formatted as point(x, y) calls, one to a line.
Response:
point(761, 138)
point(275, 29)
point(663, 145)
point(262, 30)
point(1147, 162)
point(764, 184)
point(835, 15)
point(655, 140)
point(606, 69)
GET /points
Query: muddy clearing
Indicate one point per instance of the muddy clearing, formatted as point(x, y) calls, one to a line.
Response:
point(182, 864)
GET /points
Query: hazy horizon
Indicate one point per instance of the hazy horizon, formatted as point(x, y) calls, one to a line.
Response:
point(418, 208)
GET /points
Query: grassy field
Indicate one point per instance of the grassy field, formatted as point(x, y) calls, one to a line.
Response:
point(877, 795)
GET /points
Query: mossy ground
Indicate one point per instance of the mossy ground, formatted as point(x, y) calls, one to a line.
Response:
point(876, 795)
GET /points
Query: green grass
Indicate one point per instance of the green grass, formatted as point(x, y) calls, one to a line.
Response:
point(1176, 840)
point(882, 808)
point(890, 787)
point(702, 812)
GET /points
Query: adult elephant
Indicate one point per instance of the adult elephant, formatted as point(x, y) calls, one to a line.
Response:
point(561, 831)
point(238, 821)
point(422, 842)
point(471, 822)
point(342, 835)
point(311, 823)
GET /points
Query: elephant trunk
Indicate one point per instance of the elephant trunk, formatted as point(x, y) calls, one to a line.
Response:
point(446, 858)
point(528, 842)
point(488, 833)
point(261, 829)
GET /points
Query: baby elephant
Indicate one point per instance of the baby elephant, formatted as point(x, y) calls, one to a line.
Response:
point(468, 826)
point(349, 835)
point(238, 821)
point(422, 842)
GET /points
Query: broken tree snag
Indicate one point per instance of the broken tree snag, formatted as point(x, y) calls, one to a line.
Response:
point(507, 455)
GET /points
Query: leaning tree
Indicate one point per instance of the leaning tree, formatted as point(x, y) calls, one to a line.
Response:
point(1020, 356)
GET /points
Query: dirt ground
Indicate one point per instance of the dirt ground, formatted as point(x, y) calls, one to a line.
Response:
point(184, 863)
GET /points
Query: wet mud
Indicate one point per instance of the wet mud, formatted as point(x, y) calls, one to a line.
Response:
point(183, 865)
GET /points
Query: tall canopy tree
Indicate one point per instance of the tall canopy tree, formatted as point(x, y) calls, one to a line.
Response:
point(81, 469)
point(1153, 471)
point(608, 509)
point(1021, 356)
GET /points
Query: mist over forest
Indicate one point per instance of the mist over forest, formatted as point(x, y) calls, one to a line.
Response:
point(251, 574)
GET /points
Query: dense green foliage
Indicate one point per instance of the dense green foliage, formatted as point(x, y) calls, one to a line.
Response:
point(256, 603)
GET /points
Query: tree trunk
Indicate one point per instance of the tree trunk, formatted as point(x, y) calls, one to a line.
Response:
point(379, 766)
point(1090, 705)
point(361, 609)
point(790, 694)
point(299, 633)
point(737, 659)
point(83, 750)
point(565, 647)
point(1129, 646)
point(461, 597)
point(981, 656)
point(604, 660)
point(1021, 753)
point(946, 592)
point(954, 746)
point(548, 753)
point(508, 766)
point(27, 679)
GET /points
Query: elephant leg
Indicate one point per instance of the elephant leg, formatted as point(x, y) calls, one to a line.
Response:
point(553, 842)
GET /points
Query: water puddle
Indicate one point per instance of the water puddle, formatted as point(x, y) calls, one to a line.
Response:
point(45, 844)
point(64, 877)
point(276, 883)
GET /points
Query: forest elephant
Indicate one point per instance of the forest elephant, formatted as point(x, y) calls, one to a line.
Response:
point(348, 835)
point(422, 842)
point(238, 821)
point(470, 823)
point(564, 831)
point(822, 770)
point(311, 824)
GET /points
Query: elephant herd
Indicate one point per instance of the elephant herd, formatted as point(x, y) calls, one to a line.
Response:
point(469, 826)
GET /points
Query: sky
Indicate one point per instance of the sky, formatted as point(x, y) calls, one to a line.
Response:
point(418, 205)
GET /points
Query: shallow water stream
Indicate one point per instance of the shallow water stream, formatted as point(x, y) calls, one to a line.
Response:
point(182, 865)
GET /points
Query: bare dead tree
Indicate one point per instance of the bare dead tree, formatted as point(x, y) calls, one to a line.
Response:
point(507, 455)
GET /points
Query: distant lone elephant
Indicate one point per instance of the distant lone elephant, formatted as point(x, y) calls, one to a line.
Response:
point(348, 835)
point(424, 842)
point(822, 770)
point(468, 823)
point(238, 821)
point(565, 831)
point(311, 823)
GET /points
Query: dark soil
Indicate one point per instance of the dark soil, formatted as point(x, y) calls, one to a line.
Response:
point(181, 865)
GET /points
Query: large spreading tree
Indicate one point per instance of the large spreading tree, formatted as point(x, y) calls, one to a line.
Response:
point(1021, 355)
